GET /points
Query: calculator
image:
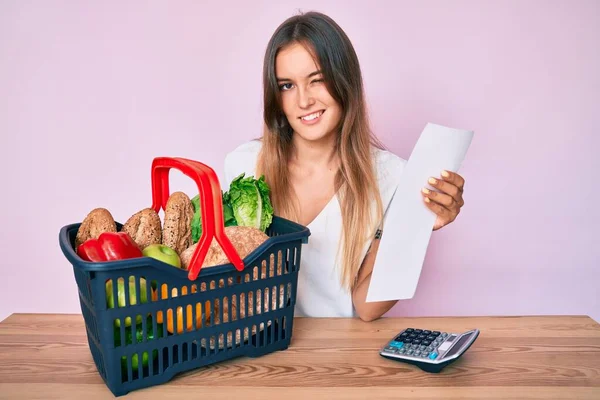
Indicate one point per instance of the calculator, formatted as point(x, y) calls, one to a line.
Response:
point(429, 350)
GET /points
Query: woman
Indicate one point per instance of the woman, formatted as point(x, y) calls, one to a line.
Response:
point(325, 168)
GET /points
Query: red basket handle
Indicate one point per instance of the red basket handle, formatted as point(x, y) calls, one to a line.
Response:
point(210, 205)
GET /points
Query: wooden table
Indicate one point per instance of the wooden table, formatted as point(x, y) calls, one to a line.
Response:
point(47, 357)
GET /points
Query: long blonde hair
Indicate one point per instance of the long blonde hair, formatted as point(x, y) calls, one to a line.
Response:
point(356, 179)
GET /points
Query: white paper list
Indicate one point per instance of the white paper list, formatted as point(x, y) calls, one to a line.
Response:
point(408, 222)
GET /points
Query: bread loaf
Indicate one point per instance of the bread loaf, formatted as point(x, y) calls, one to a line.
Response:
point(177, 231)
point(98, 221)
point(144, 227)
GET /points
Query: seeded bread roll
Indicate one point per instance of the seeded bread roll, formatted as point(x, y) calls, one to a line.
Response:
point(144, 227)
point(98, 221)
point(244, 239)
point(177, 228)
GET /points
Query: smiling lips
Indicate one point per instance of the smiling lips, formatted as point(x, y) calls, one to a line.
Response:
point(312, 118)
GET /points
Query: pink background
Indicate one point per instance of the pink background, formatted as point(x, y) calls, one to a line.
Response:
point(134, 80)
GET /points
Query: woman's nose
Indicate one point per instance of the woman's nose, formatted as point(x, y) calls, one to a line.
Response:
point(305, 98)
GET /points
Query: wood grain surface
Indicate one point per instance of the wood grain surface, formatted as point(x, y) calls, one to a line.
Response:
point(46, 356)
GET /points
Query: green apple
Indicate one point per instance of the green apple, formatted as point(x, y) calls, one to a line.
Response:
point(163, 253)
point(110, 300)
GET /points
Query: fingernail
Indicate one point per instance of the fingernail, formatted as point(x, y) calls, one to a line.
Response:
point(427, 200)
point(445, 174)
point(426, 191)
point(433, 181)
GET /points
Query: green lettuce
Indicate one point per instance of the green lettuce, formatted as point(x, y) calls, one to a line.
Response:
point(250, 202)
point(247, 203)
point(197, 220)
point(267, 214)
point(228, 216)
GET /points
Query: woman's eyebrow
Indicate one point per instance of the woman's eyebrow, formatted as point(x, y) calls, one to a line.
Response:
point(308, 76)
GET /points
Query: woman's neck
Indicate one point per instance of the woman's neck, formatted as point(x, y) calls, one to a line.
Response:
point(321, 153)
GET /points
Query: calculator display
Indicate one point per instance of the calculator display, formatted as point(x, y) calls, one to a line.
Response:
point(455, 349)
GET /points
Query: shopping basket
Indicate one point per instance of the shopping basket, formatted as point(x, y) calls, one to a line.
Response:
point(173, 320)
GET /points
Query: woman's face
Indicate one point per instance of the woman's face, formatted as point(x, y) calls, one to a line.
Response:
point(310, 110)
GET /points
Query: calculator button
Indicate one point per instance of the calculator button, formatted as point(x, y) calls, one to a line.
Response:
point(390, 349)
point(409, 330)
point(409, 352)
point(412, 335)
point(416, 341)
point(435, 333)
point(426, 342)
point(421, 336)
point(422, 347)
point(407, 340)
point(397, 344)
point(444, 334)
point(430, 337)
point(445, 346)
point(429, 349)
point(418, 330)
point(433, 355)
point(426, 332)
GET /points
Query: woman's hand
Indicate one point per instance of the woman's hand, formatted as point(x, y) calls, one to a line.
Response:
point(445, 204)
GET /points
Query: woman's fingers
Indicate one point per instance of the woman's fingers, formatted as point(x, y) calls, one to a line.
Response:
point(447, 199)
point(452, 185)
point(441, 198)
point(444, 216)
point(454, 178)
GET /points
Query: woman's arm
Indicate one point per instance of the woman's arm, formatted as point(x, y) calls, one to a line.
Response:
point(372, 310)
point(446, 204)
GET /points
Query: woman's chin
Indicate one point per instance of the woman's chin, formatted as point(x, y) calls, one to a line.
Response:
point(314, 135)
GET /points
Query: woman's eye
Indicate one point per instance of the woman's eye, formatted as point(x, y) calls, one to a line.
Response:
point(285, 86)
point(317, 81)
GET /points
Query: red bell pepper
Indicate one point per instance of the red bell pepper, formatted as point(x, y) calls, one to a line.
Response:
point(109, 246)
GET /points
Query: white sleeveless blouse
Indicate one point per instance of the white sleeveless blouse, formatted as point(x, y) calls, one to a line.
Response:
point(320, 293)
